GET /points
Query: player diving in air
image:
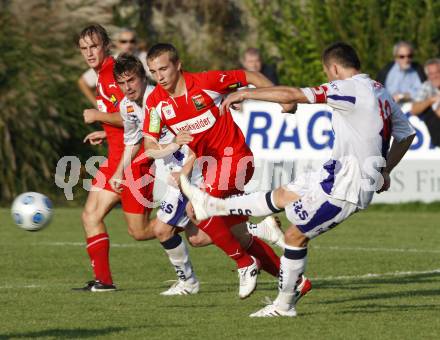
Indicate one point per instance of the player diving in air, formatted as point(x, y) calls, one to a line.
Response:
point(364, 119)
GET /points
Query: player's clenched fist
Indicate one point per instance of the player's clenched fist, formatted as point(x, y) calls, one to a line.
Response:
point(90, 115)
point(95, 137)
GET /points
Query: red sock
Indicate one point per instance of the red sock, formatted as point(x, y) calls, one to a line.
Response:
point(270, 262)
point(222, 237)
point(98, 247)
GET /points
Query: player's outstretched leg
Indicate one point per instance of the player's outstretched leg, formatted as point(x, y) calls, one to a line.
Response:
point(254, 204)
point(178, 255)
point(293, 264)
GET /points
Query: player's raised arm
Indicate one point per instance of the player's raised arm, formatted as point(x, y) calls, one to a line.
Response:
point(278, 94)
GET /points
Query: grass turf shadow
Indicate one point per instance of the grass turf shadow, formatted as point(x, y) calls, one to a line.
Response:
point(60, 333)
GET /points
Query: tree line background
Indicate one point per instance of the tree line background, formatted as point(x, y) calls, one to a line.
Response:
point(41, 106)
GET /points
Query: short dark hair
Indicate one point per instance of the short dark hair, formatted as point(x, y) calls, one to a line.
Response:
point(343, 54)
point(127, 63)
point(96, 29)
point(161, 48)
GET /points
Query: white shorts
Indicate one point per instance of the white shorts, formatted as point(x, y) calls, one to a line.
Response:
point(172, 208)
point(316, 212)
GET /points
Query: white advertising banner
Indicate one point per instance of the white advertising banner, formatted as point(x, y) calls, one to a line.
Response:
point(286, 144)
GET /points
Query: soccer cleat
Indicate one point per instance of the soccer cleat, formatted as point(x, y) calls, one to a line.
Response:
point(101, 287)
point(248, 279)
point(203, 204)
point(270, 230)
point(181, 287)
point(273, 311)
point(302, 289)
point(96, 286)
point(87, 287)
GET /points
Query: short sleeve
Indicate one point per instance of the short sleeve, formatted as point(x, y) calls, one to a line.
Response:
point(340, 95)
point(223, 81)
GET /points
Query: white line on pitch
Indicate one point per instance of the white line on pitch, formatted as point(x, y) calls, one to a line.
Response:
point(325, 278)
point(377, 275)
point(146, 244)
point(391, 250)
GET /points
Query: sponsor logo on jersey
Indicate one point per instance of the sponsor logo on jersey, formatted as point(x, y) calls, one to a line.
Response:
point(112, 85)
point(168, 111)
point(196, 125)
point(100, 105)
point(130, 109)
point(234, 86)
point(199, 102)
point(114, 100)
point(154, 121)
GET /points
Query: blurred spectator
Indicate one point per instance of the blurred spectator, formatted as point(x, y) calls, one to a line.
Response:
point(402, 77)
point(252, 61)
point(125, 42)
point(427, 100)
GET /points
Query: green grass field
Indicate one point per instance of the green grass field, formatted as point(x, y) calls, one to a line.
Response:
point(377, 276)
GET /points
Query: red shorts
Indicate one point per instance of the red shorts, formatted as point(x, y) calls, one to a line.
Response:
point(231, 174)
point(137, 194)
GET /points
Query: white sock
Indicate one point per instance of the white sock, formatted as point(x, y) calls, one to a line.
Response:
point(258, 203)
point(177, 252)
point(293, 264)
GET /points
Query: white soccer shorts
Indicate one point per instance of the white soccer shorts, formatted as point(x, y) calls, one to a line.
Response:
point(172, 208)
point(315, 212)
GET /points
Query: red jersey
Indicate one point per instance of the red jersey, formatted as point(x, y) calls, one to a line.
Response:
point(198, 112)
point(108, 97)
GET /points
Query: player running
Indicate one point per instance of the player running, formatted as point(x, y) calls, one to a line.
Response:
point(364, 119)
point(131, 78)
point(190, 102)
point(94, 43)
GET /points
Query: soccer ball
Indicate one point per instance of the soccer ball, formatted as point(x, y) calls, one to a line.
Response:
point(31, 211)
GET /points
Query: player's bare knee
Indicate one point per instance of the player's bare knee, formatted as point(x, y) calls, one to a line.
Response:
point(89, 218)
point(162, 231)
point(136, 230)
point(137, 235)
point(198, 241)
point(283, 197)
point(294, 237)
